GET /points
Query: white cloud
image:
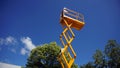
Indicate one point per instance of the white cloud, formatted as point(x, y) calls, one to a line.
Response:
point(28, 45)
point(6, 65)
point(24, 51)
point(8, 41)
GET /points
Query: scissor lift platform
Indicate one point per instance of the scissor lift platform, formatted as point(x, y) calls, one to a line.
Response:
point(69, 19)
point(72, 17)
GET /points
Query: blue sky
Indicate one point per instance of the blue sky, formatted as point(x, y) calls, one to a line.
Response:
point(25, 24)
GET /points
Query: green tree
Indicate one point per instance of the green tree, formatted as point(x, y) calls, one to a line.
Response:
point(74, 65)
point(88, 65)
point(110, 58)
point(22, 67)
point(112, 51)
point(45, 56)
point(99, 59)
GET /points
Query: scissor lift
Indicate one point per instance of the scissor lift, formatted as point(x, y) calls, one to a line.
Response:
point(69, 19)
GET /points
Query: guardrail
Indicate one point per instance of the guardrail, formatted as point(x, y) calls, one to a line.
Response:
point(73, 14)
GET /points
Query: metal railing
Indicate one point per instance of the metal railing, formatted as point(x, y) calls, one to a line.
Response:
point(72, 14)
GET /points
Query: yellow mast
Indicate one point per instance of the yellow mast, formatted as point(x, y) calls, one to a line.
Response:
point(69, 19)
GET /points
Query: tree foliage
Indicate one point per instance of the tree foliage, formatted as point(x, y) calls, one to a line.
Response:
point(98, 58)
point(109, 58)
point(112, 51)
point(88, 65)
point(45, 56)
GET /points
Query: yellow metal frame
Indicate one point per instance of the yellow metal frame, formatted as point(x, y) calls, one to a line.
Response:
point(69, 19)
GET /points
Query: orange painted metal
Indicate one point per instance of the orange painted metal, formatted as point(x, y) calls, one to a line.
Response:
point(69, 19)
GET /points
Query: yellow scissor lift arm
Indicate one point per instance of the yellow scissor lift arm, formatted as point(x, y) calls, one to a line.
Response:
point(69, 19)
